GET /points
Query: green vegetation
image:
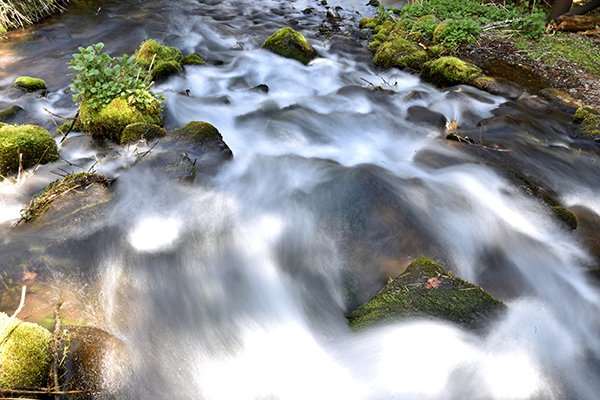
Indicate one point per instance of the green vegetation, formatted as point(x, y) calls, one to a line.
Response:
point(31, 143)
point(448, 71)
point(566, 216)
point(289, 43)
point(41, 201)
point(426, 289)
point(17, 14)
point(589, 119)
point(193, 59)
point(24, 354)
point(160, 60)
point(30, 84)
point(140, 130)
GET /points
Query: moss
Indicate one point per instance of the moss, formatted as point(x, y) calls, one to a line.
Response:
point(288, 43)
point(193, 59)
point(140, 130)
point(566, 216)
point(41, 201)
point(10, 112)
point(400, 53)
point(367, 23)
point(164, 69)
point(427, 289)
point(449, 71)
point(64, 127)
point(589, 118)
point(165, 60)
point(33, 143)
point(24, 354)
point(198, 131)
point(30, 84)
point(110, 122)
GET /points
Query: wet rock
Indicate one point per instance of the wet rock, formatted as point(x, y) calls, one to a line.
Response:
point(174, 165)
point(141, 131)
point(165, 60)
point(588, 230)
point(10, 112)
point(566, 216)
point(288, 43)
point(30, 84)
point(426, 289)
point(589, 120)
point(400, 53)
point(24, 354)
point(423, 115)
point(25, 145)
point(449, 71)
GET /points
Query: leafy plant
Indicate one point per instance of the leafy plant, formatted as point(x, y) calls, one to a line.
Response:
point(100, 78)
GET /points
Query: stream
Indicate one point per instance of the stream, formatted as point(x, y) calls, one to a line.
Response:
point(237, 286)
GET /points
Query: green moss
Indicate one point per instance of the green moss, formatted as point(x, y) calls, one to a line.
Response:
point(367, 23)
point(33, 143)
point(164, 69)
point(400, 53)
point(64, 127)
point(41, 201)
point(30, 84)
point(24, 354)
point(198, 131)
point(566, 216)
point(426, 289)
point(140, 130)
point(165, 60)
point(193, 59)
point(449, 71)
point(10, 112)
point(288, 43)
point(110, 122)
point(589, 118)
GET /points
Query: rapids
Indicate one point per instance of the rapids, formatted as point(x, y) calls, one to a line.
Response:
point(236, 287)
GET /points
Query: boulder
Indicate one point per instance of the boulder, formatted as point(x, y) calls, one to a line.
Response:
point(289, 43)
point(165, 60)
point(401, 53)
point(24, 354)
point(9, 112)
point(426, 289)
point(449, 71)
point(140, 130)
point(30, 84)
point(31, 144)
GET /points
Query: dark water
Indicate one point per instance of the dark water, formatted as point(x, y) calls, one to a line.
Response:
point(236, 287)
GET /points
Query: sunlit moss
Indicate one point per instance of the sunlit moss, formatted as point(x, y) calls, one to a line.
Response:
point(165, 60)
point(449, 71)
point(288, 43)
point(32, 143)
point(140, 130)
point(30, 84)
point(589, 118)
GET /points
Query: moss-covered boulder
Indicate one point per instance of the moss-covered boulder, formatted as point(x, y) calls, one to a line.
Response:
point(165, 60)
point(565, 216)
point(10, 112)
point(589, 120)
point(426, 289)
point(109, 122)
point(32, 143)
point(140, 130)
point(401, 53)
point(289, 43)
point(69, 195)
point(30, 84)
point(24, 354)
point(449, 71)
point(193, 59)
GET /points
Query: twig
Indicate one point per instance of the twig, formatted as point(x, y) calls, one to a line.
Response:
point(17, 311)
point(56, 343)
point(70, 127)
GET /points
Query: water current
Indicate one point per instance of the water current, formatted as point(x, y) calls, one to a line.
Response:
point(237, 287)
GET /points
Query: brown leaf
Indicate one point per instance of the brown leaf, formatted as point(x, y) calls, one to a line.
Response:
point(432, 283)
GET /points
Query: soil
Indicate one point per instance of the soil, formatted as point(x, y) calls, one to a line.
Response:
point(499, 58)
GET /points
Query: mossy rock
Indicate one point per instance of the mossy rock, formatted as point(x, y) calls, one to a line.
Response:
point(589, 119)
point(66, 191)
point(193, 59)
point(165, 60)
point(32, 142)
point(426, 289)
point(449, 71)
point(65, 126)
point(140, 130)
point(30, 84)
point(24, 354)
point(401, 53)
point(202, 135)
point(289, 43)
point(566, 216)
point(10, 112)
point(109, 122)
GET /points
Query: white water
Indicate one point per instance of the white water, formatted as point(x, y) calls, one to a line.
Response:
point(237, 288)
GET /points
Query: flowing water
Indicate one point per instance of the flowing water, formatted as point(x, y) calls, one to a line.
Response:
point(237, 287)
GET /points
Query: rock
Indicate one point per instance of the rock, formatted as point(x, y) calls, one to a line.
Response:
point(424, 116)
point(288, 43)
point(67, 196)
point(589, 120)
point(24, 354)
point(576, 23)
point(565, 215)
point(588, 230)
point(165, 60)
point(174, 165)
point(30, 84)
point(426, 289)
point(449, 71)
point(401, 53)
point(96, 361)
point(32, 142)
point(109, 122)
point(193, 59)
point(9, 112)
point(140, 130)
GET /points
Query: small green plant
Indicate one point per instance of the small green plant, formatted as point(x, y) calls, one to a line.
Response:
point(100, 78)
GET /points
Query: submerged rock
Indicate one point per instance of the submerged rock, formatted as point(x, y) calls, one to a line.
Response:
point(10, 112)
point(426, 289)
point(449, 71)
point(30, 84)
point(289, 43)
point(25, 145)
point(565, 215)
point(24, 354)
point(165, 60)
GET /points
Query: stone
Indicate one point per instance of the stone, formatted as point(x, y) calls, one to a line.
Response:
point(289, 43)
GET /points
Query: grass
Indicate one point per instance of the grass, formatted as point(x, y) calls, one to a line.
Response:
point(19, 13)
